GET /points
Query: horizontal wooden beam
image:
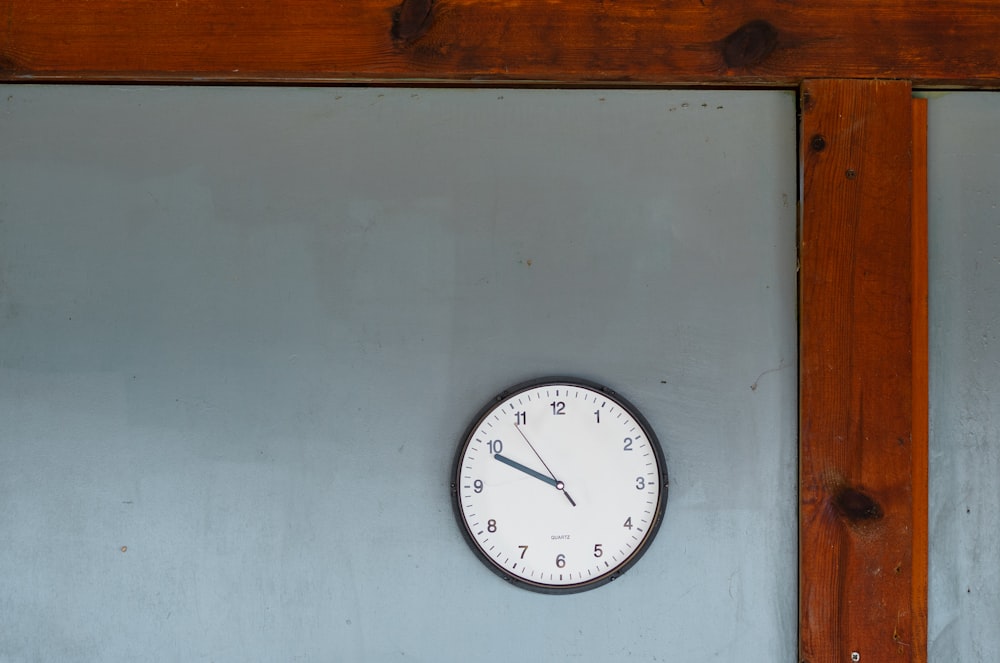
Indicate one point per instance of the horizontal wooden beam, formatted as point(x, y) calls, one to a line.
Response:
point(593, 42)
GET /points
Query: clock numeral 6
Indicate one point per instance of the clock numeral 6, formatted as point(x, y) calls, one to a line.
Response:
point(560, 561)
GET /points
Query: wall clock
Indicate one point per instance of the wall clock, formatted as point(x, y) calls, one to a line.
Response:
point(559, 485)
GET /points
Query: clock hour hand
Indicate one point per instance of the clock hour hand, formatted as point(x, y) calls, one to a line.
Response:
point(527, 470)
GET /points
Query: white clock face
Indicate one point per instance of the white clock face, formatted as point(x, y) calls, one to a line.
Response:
point(559, 485)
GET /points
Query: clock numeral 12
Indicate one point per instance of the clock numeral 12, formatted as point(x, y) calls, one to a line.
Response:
point(558, 407)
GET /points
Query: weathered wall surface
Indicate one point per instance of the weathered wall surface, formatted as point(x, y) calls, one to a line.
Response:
point(964, 302)
point(242, 330)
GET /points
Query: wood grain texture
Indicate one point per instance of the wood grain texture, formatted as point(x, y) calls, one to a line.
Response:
point(921, 377)
point(858, 569)
point(597, 42)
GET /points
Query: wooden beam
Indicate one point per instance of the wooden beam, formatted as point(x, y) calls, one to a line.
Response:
point(595, 43)
point(921, 378)
point(862, 562)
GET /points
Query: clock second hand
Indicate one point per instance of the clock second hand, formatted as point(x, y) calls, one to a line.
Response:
point(558, 484)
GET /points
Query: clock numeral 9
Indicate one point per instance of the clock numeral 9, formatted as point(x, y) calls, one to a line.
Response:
point(560, 561)
point(491, 525)
point(558, 407)
point(477, 485)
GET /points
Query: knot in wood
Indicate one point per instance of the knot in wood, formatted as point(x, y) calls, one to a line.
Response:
point(412, 20)
point(750, 44)
point(855, 505)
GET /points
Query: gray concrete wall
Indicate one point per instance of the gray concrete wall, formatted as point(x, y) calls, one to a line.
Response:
point(242, 331)
point(964, 197)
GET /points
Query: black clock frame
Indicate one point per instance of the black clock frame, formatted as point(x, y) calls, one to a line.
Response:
point(651, 437)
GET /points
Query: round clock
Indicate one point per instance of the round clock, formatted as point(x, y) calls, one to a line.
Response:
point(559, 485)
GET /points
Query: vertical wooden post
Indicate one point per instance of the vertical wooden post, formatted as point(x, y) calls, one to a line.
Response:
point(862, 572)
point(921, 378)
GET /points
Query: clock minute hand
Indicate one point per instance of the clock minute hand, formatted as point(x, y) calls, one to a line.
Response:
point(527, 470)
